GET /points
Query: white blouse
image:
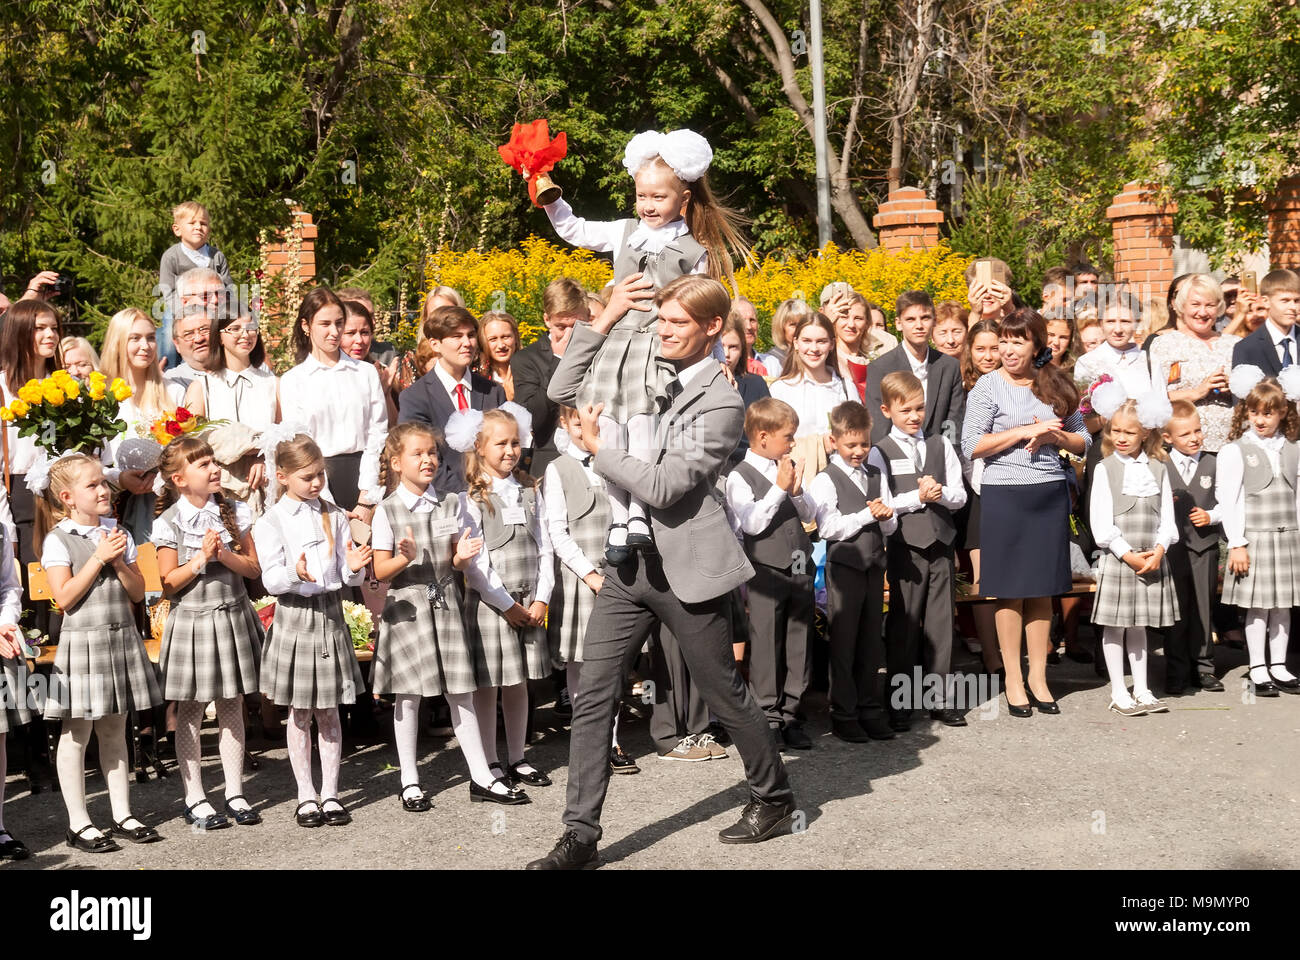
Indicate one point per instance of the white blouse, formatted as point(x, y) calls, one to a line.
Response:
point(1130, 367)
point(557, 513)
point(343, 408)
point(834, 525)
point(953, 495)
point(813, 401)
point(192, 523)
point(604, 236)
point(1230, 489)
point(480, 576)
point(246, 397)
point(304, 534)
point(1138, 482)
point(382, 535)
point(55, 554)
point(750, 515)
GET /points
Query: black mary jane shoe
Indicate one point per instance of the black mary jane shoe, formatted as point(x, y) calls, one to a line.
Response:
point(1043, 706)
point(140, 834)
point(335, 818)
point(213, 821)
point(534, 779)
point(13, 848)
point(511, 797)
point(1286, 686)
point(420, 803)
point(101, 844)
point(499, 772)
point(245, 818)
point(1265, 689)
point(312, 818)
point(642, 542)
point(618, 555)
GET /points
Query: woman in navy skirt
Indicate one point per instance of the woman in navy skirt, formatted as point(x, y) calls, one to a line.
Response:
point(1018, 419)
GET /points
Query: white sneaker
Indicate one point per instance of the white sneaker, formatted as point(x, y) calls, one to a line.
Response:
point(1151, 702)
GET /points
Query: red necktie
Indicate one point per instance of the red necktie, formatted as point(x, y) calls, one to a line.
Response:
point(461, 402)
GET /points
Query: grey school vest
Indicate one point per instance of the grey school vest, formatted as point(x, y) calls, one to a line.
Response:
point(785, 538)
point(934, 524)
point(1198, 493)
point(1121, 502)
point(866, 548)
point(1258, 474)
point(675, 260)
point(579, 494)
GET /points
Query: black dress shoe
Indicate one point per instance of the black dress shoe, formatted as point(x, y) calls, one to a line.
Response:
point(140, 834)
point(1266, 689)
point(948, 717)
point(1019, 711)
point(420, 803)
point(758, 821)
point(511, 797)
point(498, 772)
point(1286, 686)
point(213, 821)
point(335, 818)
point(620, 762)
point(245, 818)
point(101, 844)
point(795, 738)
point(312, 818)
point(616, 556)
point(877, 727)
point(569, 854)
point(850, 731)
point(1210, 683)
point(534, 779)
point(1043, 706)
point(563, 705)
point(643, 542)
point(13, 848)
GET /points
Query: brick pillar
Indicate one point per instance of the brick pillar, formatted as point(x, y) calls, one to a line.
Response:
point(301, 235)
point(1144, 238)
point(1284, 225)
point(908, 219)
point(292, 249)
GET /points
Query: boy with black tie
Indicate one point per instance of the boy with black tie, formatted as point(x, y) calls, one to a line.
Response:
point(925, 481)
point(854, 516)
point(1194, 559)
point(769, 507)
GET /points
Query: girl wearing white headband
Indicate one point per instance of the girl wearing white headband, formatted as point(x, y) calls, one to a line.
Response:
point(681, 229)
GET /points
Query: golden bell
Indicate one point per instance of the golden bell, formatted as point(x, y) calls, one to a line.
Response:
point(547, 190)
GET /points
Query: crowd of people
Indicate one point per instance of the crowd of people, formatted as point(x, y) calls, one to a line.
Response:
point(642, 475)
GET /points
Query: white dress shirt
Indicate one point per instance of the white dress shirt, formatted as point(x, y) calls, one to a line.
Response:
point(953, 495)
point(55, 554)
point(604, 236)
point(382, 535)
point(480, 576)
point(1230, 490)
point(831, 523)
point(752, 515)
point(11, 588)
point(1138, 482)
point(1186, 467)
point(920, 368)
point(192, 523)
point(449, 383)
point(1128, 366)
point(813, 401)
point(1279, 337)
point(557, 515)
point(343, 408)
point(182, 374)
point(304, 535)
point(246, 396)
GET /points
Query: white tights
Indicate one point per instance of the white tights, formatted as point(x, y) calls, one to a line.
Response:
point(573, 671)
point(329, 733)
point(1113, 641)
point(71, 764)
point(189, 749)
point(1266, 640)
point(466, 710)
point(637, 437)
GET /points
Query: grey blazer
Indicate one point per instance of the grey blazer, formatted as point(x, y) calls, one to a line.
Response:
point(696, 434)
point(945, 396)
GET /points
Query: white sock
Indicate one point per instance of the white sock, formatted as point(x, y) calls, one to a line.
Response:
point(70, 761)
point(640, 444)
point(514, 706)
point(1277, 642)
point(465, 721)
point(485, 708)
point(1136, 640)
point(406, 729)
point(1112, 647)
point(1257, 643)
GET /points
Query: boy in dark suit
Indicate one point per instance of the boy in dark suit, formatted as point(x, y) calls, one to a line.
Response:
point(1194, 559)
point(449, 387)
point(564, 304)
point(1274, 344)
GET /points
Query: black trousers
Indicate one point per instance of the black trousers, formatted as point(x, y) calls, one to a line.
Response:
point(344, 473)
point(856, 600)
point(920, 607)
point(634, 598)
point(780, 641)
point(1189, 646)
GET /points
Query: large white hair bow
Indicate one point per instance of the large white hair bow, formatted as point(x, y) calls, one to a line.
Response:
point(521, 415)
point(688, 153)
point(462, 429)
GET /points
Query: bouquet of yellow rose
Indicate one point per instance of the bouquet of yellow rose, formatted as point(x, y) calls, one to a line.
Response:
point(67, 415)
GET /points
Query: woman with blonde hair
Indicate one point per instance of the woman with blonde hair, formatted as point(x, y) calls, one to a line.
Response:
point(79, 357)
point(788, 315)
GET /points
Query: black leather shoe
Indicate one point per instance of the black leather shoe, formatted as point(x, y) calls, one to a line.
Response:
point(335, 818)
point(213, 821)
point(616, 556)
point(499, 772)
point(877, 727)
point(245, 818)
point(1043, 706)
point(620, 762)
point(900, 722)
point(140, 834)
point(312, 818)
point(795, 738)
point(13, 848)
point(1286, 686)
point(102, 844)
point(850, 731)
point(1210, 683)
point(1266, 689)
point(420, 803)
point(948, 717)
point(534, 779)
point(1022, 711)
point(758, 821)
point(511, 797)
point(643, 542)
point(569, 854)
point(563, 705)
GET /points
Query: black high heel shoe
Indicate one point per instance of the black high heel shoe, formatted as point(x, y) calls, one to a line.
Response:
point(140, 834)
point(1043, 706)
point(1018, 711)
point(534, 779)
point(101, 844)
point(511, 797)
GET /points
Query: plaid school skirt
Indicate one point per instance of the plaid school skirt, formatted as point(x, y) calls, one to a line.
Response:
point(423, 649)
point(14, 710)
point(101, 671)
point(627, 375)
point(309, 662)
point(1123, 598)
point(211, 650)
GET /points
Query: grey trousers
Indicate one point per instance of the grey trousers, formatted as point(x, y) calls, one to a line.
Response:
point(920, 608)
point(634, 597)
point(1189, 646)
point(780, 648)
point(856, 599)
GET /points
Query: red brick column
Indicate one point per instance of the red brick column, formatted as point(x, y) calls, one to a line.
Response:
point(288, 271)
point(1144, 237)
point(1284, 225)
point(300, 237)
point(908, 219)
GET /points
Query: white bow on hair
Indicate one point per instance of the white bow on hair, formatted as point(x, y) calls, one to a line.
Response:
point(38, 475)
point(685, 151)
point(1153, 407)
point(461, 432)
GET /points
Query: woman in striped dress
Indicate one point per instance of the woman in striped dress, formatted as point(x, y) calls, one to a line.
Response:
point(305, 549)
point(213, 639)
point(422, 544)
point(1131, 511)
point(1256, 483)
point(510, 581)
point(101, 671)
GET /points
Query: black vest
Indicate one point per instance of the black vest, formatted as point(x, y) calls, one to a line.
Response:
point(784, 538)
point(1199, 493)
point(933, 524)
point(866, 548)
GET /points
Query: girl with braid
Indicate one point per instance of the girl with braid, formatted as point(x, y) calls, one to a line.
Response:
point(212, 643)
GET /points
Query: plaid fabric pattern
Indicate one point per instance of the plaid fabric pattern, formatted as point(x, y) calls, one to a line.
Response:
point(424, 648)
point(1273, 547)
point(212, 644)
point(308, 661)
point(1123, 598)
point(100, 666)
point(14, 711)
point(573, 601)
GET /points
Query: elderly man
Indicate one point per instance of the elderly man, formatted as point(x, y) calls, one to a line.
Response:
point(200, 294)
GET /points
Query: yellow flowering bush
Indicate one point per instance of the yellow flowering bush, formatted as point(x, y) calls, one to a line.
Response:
point(64, 417)
point(513, 280)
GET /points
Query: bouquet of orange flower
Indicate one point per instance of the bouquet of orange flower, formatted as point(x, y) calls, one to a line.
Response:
point(180, 423)
point(67, 415)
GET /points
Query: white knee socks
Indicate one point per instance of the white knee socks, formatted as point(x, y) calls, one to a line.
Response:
point(230, 721)
point(467, 722)
point(70, 761)
point(514, 707)
point(638, 439)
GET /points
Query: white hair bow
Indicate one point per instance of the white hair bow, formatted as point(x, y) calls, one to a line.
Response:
point(688, 153)
point(521, 415)
point(1243, 379)
point(37, 478)
point(461, 432)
